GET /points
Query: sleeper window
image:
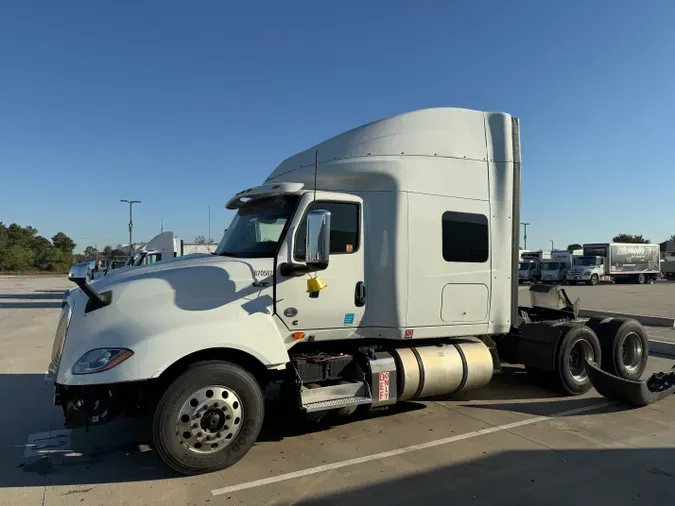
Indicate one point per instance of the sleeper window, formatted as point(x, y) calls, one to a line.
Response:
point(465, 237)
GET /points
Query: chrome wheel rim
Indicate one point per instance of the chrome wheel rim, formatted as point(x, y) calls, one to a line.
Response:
point(631, 351)
point(581, 352)
point(210, 419)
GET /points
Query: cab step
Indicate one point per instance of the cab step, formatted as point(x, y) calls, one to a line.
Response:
point(342, 395)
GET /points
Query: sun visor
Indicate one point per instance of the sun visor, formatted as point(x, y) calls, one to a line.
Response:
point(263, 191)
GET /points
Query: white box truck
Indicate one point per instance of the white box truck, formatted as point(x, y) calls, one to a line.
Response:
point(529, 268)
point(393, 279)
point(555, 270)
point(620, 262)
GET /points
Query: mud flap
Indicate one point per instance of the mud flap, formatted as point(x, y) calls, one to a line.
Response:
point(637, 393)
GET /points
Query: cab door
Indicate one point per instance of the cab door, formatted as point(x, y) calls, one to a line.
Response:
point(338, 309)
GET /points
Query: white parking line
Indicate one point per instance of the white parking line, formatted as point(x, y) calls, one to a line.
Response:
point(400, 451)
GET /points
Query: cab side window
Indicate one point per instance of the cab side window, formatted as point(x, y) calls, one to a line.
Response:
point(344, 228)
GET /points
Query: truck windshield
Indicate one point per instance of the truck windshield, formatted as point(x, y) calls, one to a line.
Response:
point(550, 266)
point(524, 266)
point(586, 261)
point(257, 228)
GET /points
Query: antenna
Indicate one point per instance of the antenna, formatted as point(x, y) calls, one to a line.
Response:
point(316, 169)
point(162, 226)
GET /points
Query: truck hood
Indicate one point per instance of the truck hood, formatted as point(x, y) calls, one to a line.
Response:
point(236, 270)
point(171, 309)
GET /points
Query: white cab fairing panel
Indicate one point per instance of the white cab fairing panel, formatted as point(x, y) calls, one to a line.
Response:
point(169, 310)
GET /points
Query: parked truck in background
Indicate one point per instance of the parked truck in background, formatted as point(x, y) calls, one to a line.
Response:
point(668, 264)
point(393, 279)
point(529, 268)
point(620, 262)
point(555, 270)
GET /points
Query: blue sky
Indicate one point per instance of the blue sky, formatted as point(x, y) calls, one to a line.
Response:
point(181, 104)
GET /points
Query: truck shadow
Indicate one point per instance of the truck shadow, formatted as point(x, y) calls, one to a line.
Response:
point(36, 446)
point(512, 383)
point(53, 304)
point(51, 295)
point(37, 450)
point(523, 477)
point(280, 424)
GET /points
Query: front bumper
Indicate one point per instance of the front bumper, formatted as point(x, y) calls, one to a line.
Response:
point(573, 277)
point(84, 406)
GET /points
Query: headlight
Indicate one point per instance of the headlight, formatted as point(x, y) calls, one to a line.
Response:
point(101, 360)
point(587, 273)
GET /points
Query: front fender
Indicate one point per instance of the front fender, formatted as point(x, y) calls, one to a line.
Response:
point(258, 336)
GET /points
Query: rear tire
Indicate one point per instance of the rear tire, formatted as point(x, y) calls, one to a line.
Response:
point(624, 344)
point(641, 279)
point(194, 432)
point(578, 344)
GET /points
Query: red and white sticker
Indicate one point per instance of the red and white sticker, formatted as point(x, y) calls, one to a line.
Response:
point(408, 334)
point(384, 386)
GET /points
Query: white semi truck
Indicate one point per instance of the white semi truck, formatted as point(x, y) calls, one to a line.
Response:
point(620, 262)
point(160, 248)
point(393, 279)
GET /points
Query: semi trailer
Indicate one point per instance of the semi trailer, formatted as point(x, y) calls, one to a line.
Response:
point(618, 262)
point(377, 267)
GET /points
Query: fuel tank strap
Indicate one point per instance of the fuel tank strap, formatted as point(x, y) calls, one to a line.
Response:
point(420, 366)
point(465, 367)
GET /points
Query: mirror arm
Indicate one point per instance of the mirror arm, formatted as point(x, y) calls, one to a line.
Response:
point(96, 300)
point(293, 270)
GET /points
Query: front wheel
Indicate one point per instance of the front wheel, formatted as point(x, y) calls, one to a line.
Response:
point(208, 418)
point(594, 280)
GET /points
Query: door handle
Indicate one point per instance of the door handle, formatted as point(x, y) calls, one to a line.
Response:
point(360, 294)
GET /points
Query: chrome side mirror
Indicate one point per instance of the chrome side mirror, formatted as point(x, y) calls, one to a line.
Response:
point(317, 245)
point(80, 273)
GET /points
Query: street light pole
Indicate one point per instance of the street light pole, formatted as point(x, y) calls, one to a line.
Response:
point(552, 248)
point(525, 233)
point(131, 221)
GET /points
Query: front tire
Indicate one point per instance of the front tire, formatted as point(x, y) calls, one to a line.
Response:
point(594, 280)
point(208, 418)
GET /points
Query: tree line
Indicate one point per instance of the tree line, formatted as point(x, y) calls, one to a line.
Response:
point(23, 250)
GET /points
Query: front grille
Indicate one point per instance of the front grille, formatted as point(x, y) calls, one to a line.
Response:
point(60, 337)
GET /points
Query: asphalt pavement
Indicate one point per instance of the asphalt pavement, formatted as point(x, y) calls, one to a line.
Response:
point(510, 443)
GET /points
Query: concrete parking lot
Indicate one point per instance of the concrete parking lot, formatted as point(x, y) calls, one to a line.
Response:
point(510, 443)
point(652, 299)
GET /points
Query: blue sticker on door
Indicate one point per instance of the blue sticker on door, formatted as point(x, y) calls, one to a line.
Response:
point(349, 318)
